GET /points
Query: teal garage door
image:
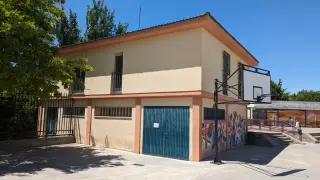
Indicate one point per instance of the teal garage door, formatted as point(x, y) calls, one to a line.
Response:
point(166, 132)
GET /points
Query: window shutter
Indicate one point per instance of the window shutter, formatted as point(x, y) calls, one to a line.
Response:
point(239, 80)
point(82, 76)
point(225, 71)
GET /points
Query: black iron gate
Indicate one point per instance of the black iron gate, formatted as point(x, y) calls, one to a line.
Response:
point(25, 117)
point(56, 116)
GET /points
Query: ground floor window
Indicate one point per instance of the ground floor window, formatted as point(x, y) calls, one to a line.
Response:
point(113, 111)
point(75, 111)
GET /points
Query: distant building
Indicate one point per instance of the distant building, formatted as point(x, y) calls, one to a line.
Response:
point(306, 113)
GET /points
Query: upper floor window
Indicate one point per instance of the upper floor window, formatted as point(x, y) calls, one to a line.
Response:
point(116, 77)
point(239, 80)
point(80, 78)
point(225, 71)
point(118, 65)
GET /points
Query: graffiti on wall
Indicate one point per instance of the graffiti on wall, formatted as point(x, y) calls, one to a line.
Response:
point(230, 135)
point(208, 134)
point(236, 129)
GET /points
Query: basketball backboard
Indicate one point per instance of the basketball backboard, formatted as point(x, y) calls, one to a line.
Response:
point(256, 85)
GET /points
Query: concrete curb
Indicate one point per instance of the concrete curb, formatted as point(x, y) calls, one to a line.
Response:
point(293, 138)
point(38, 142)
point(312, 138)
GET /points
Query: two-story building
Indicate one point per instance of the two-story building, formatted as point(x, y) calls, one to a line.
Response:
point(149, 88)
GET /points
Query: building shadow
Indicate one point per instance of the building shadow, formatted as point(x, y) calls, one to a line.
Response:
point(257, 158)
point(67, 159)
point(261, 155)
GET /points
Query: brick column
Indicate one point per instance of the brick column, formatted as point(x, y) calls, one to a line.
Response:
point(137, 127)
point(89, 122)
point(196, 129)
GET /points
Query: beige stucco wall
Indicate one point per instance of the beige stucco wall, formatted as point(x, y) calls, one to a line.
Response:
point(117, 133)
point(163, 63)
point(169, 102)
point(212, 63)
point(80, 122)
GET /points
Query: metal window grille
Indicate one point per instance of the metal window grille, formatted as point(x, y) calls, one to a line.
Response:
point(113, 111)
point(76, 111)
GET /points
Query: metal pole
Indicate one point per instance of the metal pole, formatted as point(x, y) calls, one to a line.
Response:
point(217, 157)
point(305, 118)
point(139, 17)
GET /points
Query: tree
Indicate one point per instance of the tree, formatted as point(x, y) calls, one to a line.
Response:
point(69, 31)
point(63, 27)
point(306, 95)
point(100, 22)
point(29, 55)
point(278, 92)
point(74, 30)
point(121, 28)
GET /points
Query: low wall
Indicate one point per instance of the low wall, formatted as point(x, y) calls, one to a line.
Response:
point(27, 143)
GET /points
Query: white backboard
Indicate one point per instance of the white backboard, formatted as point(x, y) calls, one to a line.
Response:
point(256, 84)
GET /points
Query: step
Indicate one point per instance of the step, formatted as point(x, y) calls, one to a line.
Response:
point(281, 137)
point(275, 136)
point(317, 137)
point(315, 134)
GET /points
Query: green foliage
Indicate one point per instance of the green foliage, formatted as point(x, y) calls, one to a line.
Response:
point(69, 31)
point(121, 28)
point(278, 92)
point(100, 22)
point(306, 95)
point(29, 56)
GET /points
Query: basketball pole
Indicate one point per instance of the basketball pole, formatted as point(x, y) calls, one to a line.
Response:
point(217, 159)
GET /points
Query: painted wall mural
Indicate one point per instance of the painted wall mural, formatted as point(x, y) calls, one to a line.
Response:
point(236, 129)
point(230, 134)
point(208, 134)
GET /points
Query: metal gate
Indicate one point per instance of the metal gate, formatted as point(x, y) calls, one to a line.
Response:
point(166, 132)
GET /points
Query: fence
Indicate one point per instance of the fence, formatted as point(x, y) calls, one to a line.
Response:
point(272, 125)
point(306, 118)
point(23, 116)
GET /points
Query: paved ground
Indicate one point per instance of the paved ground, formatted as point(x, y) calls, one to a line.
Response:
point(76, 162)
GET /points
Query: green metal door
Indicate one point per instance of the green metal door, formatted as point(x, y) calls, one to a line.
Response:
point(52, 120)
point(166, 132)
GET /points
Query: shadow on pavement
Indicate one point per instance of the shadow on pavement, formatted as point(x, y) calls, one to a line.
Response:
point(251, 154)
point(257, 159)
point(68, 159)
point(266, 170)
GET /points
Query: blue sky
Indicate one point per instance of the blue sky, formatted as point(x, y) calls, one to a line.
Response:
point(284, 35)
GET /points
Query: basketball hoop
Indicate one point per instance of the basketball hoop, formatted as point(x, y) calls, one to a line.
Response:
point(260, 98)
point(252, 83)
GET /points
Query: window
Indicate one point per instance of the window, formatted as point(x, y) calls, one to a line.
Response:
point(80, 78)
point(80, 75)
point(118, 66)
point(116, 77)
point(113, 111)
point(75, 111)
point(225, 71)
